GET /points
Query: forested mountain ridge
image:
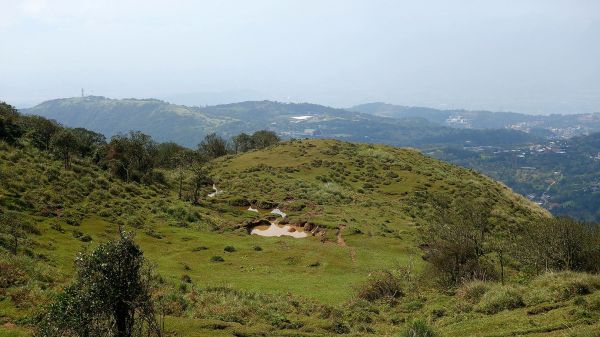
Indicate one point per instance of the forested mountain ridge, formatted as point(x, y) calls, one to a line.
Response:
point(188, 125)
point(164, 121)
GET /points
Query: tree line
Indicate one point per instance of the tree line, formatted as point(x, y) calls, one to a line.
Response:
point(132, 156)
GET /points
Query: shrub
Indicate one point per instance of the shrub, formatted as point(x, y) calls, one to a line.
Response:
point(594, 304)
point(229, 249)
point(413, 305)
point(152, 233)
point(419, 328)
point(57, 227)
point(565, 285)
point(561, 244)
point(438, 312)
point(473, 291)
point(11, 275)
point(73, 219)
point(500, 298)
point(110, 295)
point(217, 259)
point(381, 285)
point(258, 248)
point(339, 327)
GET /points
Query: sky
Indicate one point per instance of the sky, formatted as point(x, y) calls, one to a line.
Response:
point(506, 55)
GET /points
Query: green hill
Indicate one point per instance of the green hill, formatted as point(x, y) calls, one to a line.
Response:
point(188, 125)
point(375, 181)
point(164, 121)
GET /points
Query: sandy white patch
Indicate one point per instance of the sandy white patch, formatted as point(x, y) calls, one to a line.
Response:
point(278, 212)
point(278, 230)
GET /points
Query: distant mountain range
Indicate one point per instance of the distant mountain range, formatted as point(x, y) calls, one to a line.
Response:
point(188, 125)
point(548, 126)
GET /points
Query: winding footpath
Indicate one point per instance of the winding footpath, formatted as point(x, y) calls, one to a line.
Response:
point(342, 243)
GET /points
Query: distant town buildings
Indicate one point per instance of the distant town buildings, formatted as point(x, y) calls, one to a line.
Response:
point(458, 121)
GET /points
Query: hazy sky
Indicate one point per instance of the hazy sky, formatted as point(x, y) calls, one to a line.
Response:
point(530, 56)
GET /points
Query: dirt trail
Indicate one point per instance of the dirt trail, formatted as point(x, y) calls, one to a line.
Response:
point(216, 191)
point(342, 243)
point(340, 239)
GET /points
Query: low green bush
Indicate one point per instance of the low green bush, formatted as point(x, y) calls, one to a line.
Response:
point(381, 285)
point(419, 328)
point(500, 298)
point(563, 286)
point(473, 291)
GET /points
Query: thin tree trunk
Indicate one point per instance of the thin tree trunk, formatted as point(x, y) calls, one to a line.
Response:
point(180, 182)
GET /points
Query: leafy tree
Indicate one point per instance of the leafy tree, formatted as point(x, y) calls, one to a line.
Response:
point(110, 296)
point(213, 146)
point(457, 239)
point(200, 179)
point(12, 225)
point(168, 154)
point(64, 144)
point(560, 244)
point(40, 130)
point(264, 138)
point(258, 140)
point(131, 157)
point(242, 143)
point(88, 142)
point(10, 130)
point(184, 160)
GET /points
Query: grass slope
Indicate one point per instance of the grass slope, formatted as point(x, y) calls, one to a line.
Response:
point(292, 287)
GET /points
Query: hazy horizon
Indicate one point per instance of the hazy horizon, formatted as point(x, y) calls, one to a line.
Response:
point(522, 56)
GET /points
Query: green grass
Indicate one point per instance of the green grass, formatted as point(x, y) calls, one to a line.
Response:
point(292, 287)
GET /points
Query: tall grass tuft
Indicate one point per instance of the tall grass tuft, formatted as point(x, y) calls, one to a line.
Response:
point(381, 285)
point(419, 328)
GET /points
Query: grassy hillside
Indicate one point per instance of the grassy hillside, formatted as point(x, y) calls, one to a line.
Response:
point(332, 182)
point(367, 201)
